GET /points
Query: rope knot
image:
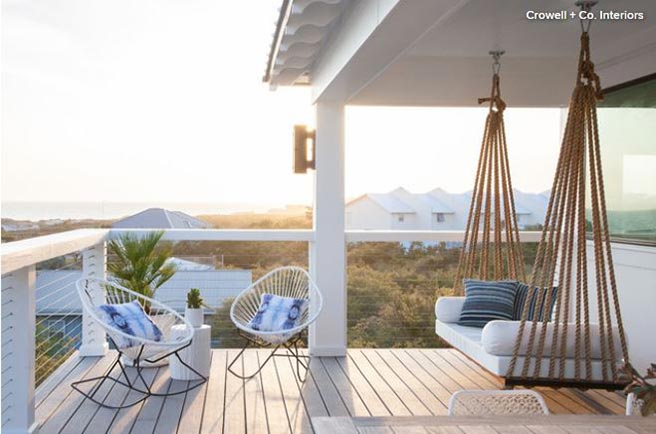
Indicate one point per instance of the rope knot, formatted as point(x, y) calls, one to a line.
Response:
point(495, 96)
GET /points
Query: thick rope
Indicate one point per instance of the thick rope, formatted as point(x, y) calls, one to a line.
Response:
point(491, 245)
point(563, 247)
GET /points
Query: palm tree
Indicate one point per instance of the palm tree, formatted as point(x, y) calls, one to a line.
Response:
point(138, 264)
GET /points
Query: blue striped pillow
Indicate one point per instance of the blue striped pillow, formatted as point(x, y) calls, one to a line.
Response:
point(487, 301)
point(520, 299)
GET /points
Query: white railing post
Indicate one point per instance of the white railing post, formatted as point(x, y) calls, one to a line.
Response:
point(94, 339)
point(18, 351)
point(328, 251)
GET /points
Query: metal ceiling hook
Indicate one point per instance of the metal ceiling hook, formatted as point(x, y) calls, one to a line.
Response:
point(585, 6)
point(496, 55)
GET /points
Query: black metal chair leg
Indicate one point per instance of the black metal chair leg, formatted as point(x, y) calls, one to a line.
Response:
point(131, 385)
point(241, 353)
point(294, 351)
point(100, 380)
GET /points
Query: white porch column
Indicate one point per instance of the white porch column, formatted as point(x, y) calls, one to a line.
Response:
point(94, 340)
point(328, 251)
point(18, 347)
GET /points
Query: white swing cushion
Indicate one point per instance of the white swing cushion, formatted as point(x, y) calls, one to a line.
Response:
point(499, 337)
point(278, 313)
point(130, 319)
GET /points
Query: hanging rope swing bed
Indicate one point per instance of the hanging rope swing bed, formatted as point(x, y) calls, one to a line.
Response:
point(571, 335)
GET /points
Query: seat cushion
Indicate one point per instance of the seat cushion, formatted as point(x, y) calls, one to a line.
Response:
point(498, 338)
point(278, 313)
point(548, 299)
point(474, 343)
point(130, 319)
point(487, 301)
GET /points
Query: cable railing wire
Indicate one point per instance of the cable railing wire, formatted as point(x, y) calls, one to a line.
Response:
point(53, 282)
point(65, 335)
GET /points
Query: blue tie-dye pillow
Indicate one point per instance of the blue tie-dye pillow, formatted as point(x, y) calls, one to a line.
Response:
point(278, 313)
point(130, 319)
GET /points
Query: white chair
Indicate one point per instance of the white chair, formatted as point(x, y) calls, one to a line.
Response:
point(93, 293)
point(496, 402)
point(294, 282)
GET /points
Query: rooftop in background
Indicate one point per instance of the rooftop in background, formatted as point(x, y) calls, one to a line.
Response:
point(159, 218)
point(436, 209)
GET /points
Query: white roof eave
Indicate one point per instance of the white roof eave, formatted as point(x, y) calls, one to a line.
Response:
point(302, 28)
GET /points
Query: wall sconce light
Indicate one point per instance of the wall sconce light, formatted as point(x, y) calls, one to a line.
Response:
point(301, 161)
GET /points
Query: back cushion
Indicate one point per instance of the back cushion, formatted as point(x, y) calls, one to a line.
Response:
point(487, 301)
point(130, 319)
point(548, 298)
point(278, 313)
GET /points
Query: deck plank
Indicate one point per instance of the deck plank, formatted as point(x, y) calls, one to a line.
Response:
point(234, 410)
point(310, 392)
point(427, 380)
point(66, 408)
point(387, 394)
point(212, 417)
point(61, 389)
point(541, 429)
point(447, 430)
point(424, 394)
point(119, 395)
point(298, 415)
point(369, 395)
point(411, 401)
point(329, 394)
point(410, 430)
point(124, 419)
point(348, 394)
point(149, 413)
point(256, 417)
point(277, 417)
point(438, 356)
point(171, 411)
point(51, 383)
point(192, 412)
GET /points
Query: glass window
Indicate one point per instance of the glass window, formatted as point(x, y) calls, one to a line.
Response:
point(627, 128)
point(439, 217)
point(401, 218)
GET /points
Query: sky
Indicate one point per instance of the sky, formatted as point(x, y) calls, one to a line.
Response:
point(147, 101)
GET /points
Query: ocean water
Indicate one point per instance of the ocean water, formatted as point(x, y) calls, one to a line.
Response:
point(35, 211)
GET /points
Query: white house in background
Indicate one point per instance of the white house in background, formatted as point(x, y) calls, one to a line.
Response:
point(434, 210)
point(159, 218)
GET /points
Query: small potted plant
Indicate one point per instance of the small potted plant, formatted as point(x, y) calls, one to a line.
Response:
point(641, 392)
point(194, 310)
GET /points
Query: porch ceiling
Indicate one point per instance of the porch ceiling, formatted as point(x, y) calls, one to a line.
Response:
point(449, 65)
point(435, 52)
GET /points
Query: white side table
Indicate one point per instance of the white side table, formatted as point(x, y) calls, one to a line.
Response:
point(196, 355)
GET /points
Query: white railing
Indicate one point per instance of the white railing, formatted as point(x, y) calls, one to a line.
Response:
point(19, 261)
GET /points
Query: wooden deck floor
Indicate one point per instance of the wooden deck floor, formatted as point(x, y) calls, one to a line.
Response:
point(368, 382)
